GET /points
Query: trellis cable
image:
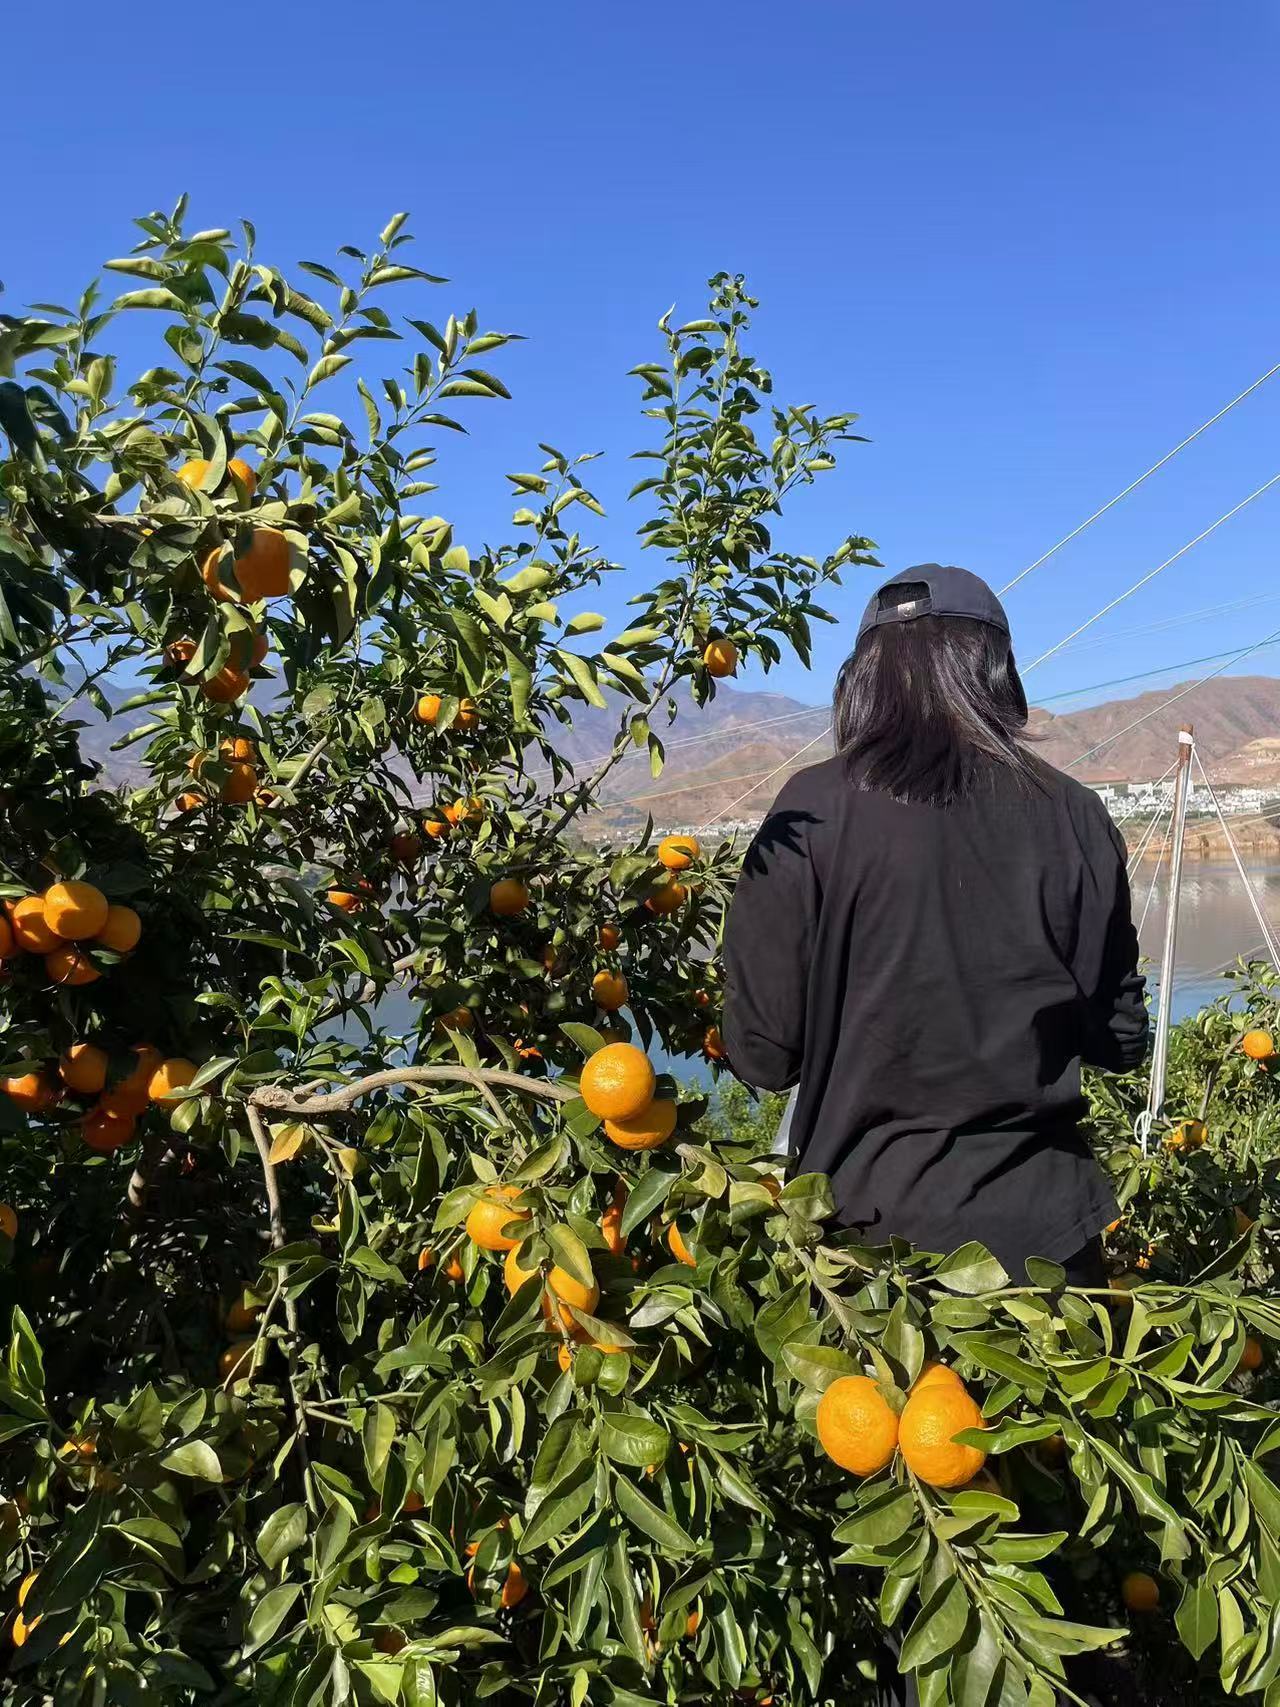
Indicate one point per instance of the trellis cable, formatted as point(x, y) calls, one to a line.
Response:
point(1134, 484)
point(1263, 923)
point(1152, 573)
point(1173, 699)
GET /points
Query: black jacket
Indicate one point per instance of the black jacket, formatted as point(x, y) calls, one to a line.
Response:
point(932, 978)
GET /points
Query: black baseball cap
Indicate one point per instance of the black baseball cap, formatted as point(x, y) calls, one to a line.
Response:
point(948, 591)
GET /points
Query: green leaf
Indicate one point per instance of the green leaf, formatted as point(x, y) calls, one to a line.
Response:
point(887, 1517)
point(196, 1458)
point(817, 1366)
point(648, 1194)
point(938, 1627)
point(572, 1254)
point(971, 1269)
point(1197, 1618)
point(634, 1440)
point(325, 368)
point(650, 1519)
point(270, 1613)
point(581, 673)
point(564, 1504)
point(283, 1531)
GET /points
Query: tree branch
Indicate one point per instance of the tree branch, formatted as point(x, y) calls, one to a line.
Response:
point(280, 1099)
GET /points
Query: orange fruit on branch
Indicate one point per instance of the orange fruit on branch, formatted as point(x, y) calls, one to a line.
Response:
point(241, 471)
point(1187, 1135)
point(678, 1248)
point(566, 1290)
point(1251, 1356)
point(491, 1214)
point(105, 1131)
point(175, 1074)
point(457, 1019)
point(856, 1426)
point(8, 1221)
point(713, 1044)
point(260, 572)
point(242, 1314)
point(228, 685)
point(610, 991)
point(927, 1428)
point(468, 717)
point(617, 1081)
point(83, 1068)
point(131, 1095)
point(678, 853)
point(508, 897)
point(122, 931)
point(192, 473)
point(611, 1221)
point(667, 899)
point(648, 1130)
point(1258, 1045)
point(31, 930)
point(68, 966)
point(33, 1093)
point(74, 911)
point(936, 1375)
point(427, 708)
point(720, 657)
point(1140, 1592)
point(608, 937)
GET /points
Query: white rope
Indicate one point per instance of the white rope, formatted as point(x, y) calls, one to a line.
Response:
point(1135, 858)
point(1167, 622)
point(1134, 484)
point(777, 769)
point(1152, 573)
point(1155, 875)
point(1173, 699)
point(1263, 923)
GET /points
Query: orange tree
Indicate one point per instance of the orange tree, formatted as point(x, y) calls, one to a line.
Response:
point(381, 1326)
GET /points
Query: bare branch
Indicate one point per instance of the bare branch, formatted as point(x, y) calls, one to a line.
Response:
point(280, 1099)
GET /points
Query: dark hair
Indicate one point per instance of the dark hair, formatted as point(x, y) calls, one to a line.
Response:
point(927, 709)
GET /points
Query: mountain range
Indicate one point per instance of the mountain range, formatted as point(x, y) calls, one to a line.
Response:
point(746, 742)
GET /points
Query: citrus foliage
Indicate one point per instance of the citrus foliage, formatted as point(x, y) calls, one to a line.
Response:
point(356, 1358)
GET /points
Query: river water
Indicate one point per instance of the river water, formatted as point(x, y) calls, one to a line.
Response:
point(1215, 923)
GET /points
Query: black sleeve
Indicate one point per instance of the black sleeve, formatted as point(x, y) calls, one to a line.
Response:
point(767, 949)
point(1121, 1027)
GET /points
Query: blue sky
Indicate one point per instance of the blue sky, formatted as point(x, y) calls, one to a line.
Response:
point(1033, 246)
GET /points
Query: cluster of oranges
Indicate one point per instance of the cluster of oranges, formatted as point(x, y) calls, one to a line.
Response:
point(239, 757)
point(860, 1431)
point(236, 1362)
point(499, 1222)
point(427, 710)
point(250, 576)
point(61, 925)
point(617, 1084)
point(81, 1072)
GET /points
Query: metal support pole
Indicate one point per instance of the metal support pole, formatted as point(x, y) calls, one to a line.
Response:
point(1160, 1054)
